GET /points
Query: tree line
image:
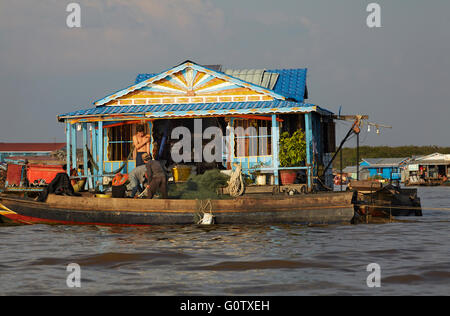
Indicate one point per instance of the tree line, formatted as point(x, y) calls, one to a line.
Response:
point(349, 154)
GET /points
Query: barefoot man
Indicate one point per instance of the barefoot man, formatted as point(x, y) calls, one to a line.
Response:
point(141, 145)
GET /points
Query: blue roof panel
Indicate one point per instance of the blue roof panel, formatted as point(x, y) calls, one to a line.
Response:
point(199, 109)
point(291, 83)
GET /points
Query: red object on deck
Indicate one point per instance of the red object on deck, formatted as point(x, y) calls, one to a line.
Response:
point(288, 176)
point(14, 174)
point(46, 172)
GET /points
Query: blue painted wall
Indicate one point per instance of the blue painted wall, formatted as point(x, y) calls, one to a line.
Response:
point(386, 172)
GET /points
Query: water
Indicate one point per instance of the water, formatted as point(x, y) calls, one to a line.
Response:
point(233, 260)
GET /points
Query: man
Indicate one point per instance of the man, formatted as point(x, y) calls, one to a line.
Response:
point(141, 145)
point(60, 185)
point(157, 179)
point(137, 176)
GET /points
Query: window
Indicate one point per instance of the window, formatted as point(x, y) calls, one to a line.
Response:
point(120, 139)
point(252, 138)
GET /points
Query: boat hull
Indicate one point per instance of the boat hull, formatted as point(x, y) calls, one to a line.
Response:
point(307, 209)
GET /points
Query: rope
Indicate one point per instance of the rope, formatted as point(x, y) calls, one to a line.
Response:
point(202, 217)
point(236, 184)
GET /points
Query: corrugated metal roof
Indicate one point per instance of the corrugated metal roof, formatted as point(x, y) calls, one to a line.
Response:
point(142, 77)
point(385, 162)
point(260, 77)
point(433, 157)
point(200, 109)
point(30, 147)
point(291, 83)
point(181, 67)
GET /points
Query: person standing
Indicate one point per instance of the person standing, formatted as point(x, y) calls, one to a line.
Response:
point(141, 145)
point(157, 179)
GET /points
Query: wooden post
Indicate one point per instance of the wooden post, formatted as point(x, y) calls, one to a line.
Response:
point(94, 150)
point(85, 158)
point(232, 144)
point(100, 153)
point(68, 127)
point(74, 146)
point(308, 136)
point(275, 148)
point(341, 168)
point(150, 128)
point(357, 157)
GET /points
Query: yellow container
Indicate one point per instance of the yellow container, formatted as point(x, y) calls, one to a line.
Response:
point(181, 173)
point(103, 196)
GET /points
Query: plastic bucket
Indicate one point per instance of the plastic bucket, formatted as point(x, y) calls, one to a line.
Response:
point(181, 173)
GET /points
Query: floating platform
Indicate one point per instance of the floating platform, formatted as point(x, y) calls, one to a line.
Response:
point(385, 200)
point(321, 208)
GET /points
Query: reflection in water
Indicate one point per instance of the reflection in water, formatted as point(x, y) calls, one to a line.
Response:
point(232, 260)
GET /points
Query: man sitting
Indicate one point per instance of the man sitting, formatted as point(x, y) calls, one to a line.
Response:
point(60, 185)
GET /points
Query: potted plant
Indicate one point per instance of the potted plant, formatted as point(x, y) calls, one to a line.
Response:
point(292, 154)
point(260, 176)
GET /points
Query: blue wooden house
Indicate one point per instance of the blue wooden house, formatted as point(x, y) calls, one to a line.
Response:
point(270, 99)
point(387, 168)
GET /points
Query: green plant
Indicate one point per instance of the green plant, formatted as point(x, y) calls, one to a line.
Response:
point(292, 149)
point(256, 169)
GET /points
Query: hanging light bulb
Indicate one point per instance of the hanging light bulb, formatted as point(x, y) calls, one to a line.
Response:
point(378, 130)
point(78, 127)
point(368, 127)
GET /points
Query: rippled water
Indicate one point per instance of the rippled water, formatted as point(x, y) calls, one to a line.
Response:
point(233, 260)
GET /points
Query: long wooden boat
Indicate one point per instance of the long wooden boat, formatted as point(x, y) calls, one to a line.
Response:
point(321, 208)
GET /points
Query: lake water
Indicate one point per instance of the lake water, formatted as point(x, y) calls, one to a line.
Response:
point(233, 260)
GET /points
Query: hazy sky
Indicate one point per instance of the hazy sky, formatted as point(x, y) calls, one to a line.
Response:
point(398, 74)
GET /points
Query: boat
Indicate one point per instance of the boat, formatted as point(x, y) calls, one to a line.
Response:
point(318, 208)
point(378, 199)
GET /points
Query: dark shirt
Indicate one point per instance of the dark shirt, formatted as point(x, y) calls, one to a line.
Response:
point(155, 170)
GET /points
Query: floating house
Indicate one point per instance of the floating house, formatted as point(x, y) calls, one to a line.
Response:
point(28, 149)
point(432, 169)
point(189, 93)
point(387, 168)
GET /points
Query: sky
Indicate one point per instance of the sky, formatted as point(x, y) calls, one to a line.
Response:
point(398, 74)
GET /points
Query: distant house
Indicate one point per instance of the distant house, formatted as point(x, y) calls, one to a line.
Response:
point(430, 167)
point(387, 168)
point(28, 149)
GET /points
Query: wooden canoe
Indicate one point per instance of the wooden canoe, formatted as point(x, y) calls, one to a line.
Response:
point(322, 208)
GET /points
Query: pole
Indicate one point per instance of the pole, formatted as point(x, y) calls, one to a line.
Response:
point(68, 138)
point(341, 168)
point(357, 156)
